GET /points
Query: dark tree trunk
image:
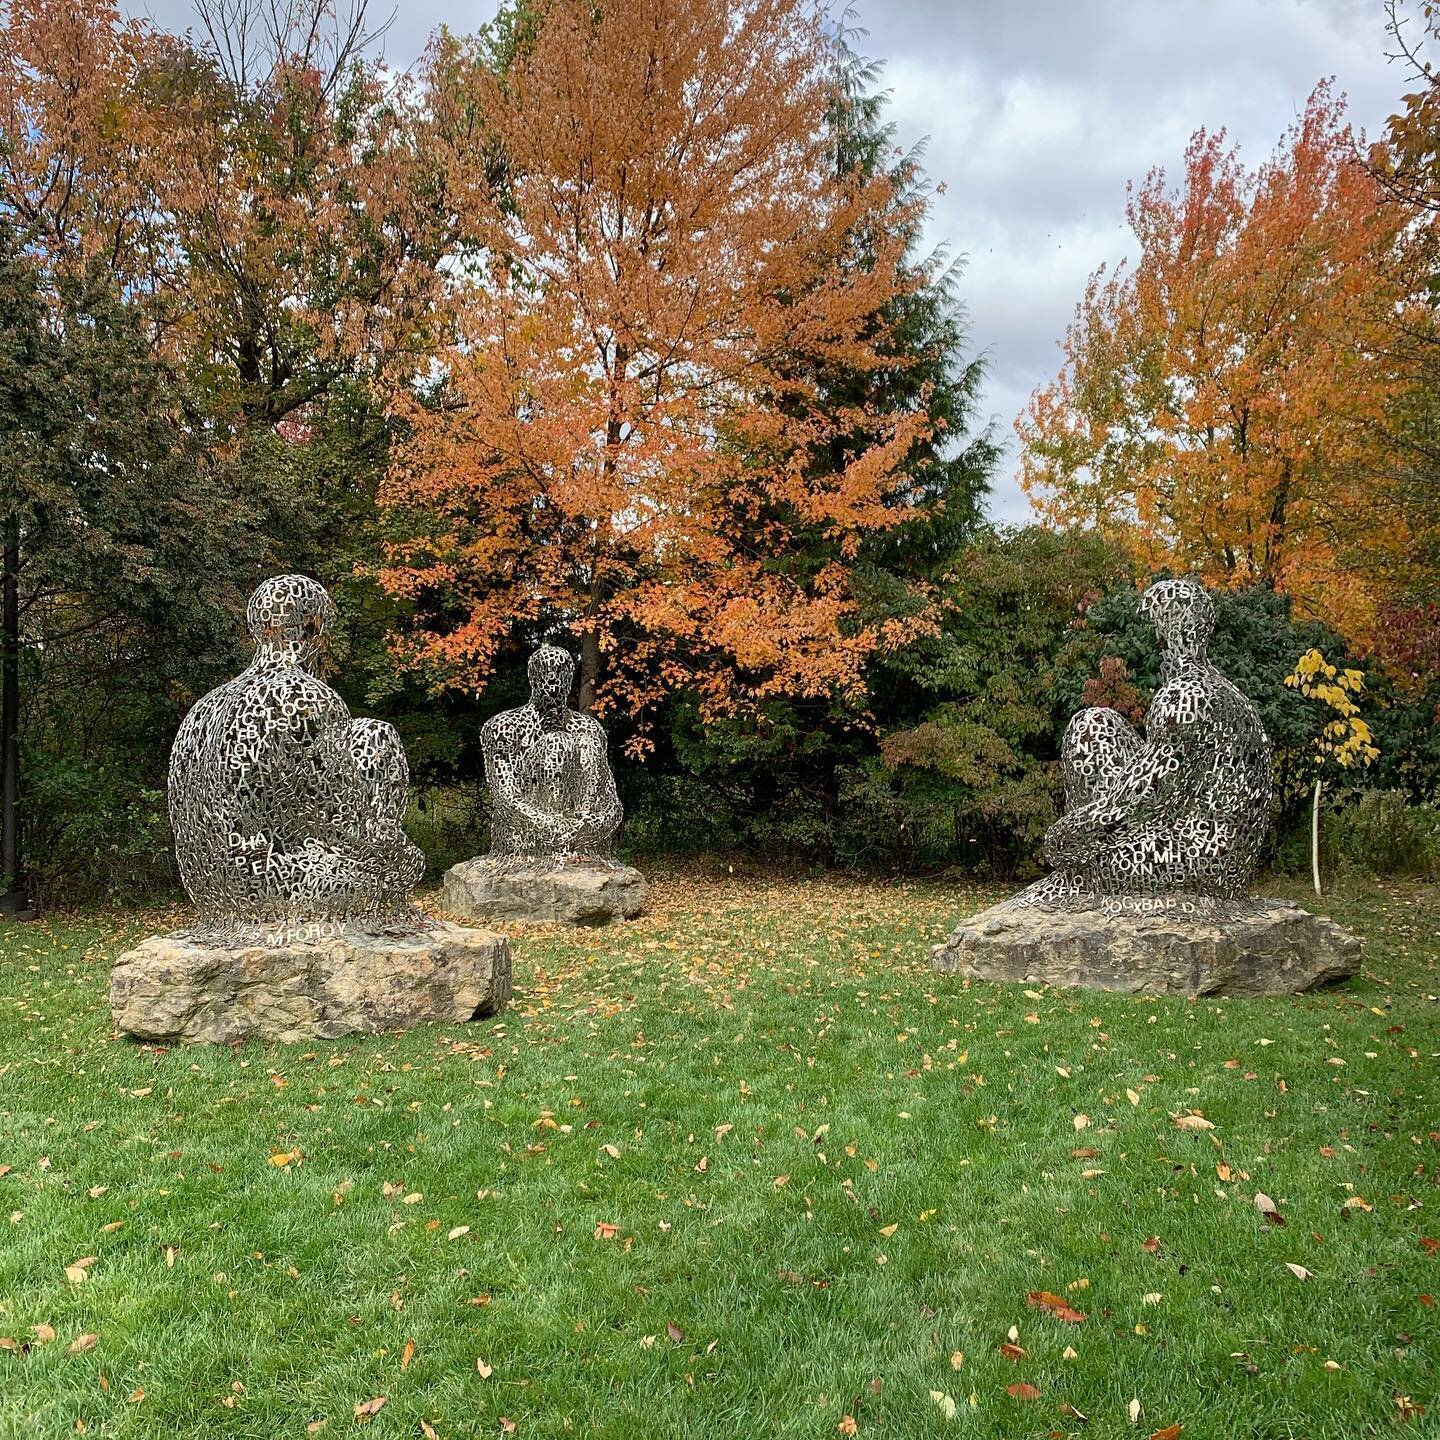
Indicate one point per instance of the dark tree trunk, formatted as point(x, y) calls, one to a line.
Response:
point(12, 882)
point(589, 668)
point(1275, 531)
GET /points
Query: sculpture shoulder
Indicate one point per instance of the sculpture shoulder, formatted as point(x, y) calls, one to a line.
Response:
point(516, 724)
point(260, 703)
point(1182, 704)
point(589, 729)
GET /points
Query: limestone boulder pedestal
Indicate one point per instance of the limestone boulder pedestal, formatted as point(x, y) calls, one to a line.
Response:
point(177, 989)
point(560, 894)
point(1253, 947)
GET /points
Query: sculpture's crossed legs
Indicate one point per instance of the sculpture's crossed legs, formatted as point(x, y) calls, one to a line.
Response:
point(1098, 747)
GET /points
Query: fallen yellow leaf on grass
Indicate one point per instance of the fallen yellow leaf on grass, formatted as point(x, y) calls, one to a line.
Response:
point(81, 1344)
point(482, 1369)
point(366, 1408)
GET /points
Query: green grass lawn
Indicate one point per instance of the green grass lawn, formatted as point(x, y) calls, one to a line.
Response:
point(744, 1167)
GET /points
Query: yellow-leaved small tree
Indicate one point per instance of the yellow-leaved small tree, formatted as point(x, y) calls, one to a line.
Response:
point(1345, 740)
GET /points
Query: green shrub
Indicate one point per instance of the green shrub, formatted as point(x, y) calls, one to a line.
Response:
point(93, 834)
point(1374, 832)
point(449, 824)
point(1383, 834)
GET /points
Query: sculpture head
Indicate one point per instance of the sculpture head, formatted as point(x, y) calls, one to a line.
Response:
point(290, 616)
point(1183, 615)
point(552, 674)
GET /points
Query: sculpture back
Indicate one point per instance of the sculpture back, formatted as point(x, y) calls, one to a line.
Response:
point(287, 814)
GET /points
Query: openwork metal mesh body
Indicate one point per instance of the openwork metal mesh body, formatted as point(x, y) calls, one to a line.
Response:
point(287, 813)
point(1173, 819)
point(552, 794)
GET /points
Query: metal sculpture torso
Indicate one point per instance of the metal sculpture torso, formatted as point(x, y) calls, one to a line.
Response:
point(552, 794)
point(1177, 818)
point(287, 813)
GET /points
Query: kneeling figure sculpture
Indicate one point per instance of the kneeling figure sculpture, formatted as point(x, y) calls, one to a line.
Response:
point(288, 821)
point(287, 813)
point(1177, 816)
point(1160, 836)
point(554, 814)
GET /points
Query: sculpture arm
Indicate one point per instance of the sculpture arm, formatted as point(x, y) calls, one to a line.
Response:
point(600, 808)
point(1135, 792)
point(510, 808)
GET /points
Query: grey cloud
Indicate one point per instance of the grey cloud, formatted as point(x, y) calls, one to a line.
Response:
point(1038, 115)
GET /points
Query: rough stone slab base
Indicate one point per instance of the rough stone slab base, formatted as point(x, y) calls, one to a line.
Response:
point(1265, 947)
point(358, 982)
point(559, 894)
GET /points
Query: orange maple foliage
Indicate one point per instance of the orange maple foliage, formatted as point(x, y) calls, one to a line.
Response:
point(625, 423)
point(256, 194)
point(1222, 403)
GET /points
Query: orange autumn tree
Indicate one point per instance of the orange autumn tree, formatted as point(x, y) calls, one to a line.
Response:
point(627, 433)
point(254, 190)
point(1221, 404)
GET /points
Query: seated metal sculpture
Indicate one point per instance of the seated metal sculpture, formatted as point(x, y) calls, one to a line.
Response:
point(287, 813)
point(552, 793)
point(1173, 820)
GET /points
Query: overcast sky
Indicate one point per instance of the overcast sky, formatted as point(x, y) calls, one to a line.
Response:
point(1037, 112)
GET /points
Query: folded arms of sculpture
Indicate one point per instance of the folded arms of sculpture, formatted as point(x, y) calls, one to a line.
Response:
point(287, 813)
point(552, 793)
point(1183, 810)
